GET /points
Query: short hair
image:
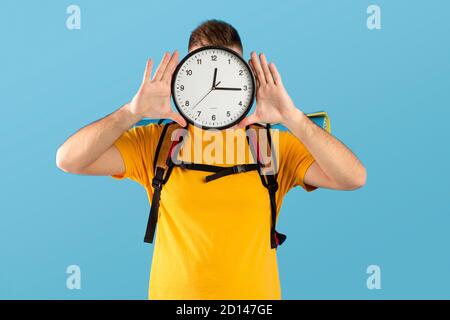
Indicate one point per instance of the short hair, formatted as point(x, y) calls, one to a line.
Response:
point(215, 33)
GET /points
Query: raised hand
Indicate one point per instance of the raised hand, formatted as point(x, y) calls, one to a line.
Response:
point(273, 103)
point(153, 97)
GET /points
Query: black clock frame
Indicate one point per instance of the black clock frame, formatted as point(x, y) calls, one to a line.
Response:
point(190, 54)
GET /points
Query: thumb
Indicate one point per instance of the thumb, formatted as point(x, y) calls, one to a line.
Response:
point(177, 118)
point(248, 121)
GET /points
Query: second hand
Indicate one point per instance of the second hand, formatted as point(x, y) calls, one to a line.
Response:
point(205, 95)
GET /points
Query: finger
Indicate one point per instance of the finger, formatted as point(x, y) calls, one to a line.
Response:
point(177, 118)
point(162, 66)
point(258, 69)
point(254, 72)
point(275, 74)
point(167, 76)
point(148, 70)
point(265, 67)
point(251, 119)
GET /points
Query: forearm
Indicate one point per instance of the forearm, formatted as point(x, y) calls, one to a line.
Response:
point(335, 160)
point(89, 143)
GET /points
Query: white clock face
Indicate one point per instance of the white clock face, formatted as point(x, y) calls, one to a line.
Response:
point(213, 87)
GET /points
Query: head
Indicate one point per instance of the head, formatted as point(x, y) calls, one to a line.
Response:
point(215, 33)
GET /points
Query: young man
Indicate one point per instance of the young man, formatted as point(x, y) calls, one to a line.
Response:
point(212, 240)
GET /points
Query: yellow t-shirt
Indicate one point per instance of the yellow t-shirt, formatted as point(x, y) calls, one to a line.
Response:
point(212, 239)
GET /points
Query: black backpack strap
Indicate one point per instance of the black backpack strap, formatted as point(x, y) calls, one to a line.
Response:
point(163, 166)
point(240, 168)
point(218, 171)
point(260, 142)
point(276, 238)
point(157, 184)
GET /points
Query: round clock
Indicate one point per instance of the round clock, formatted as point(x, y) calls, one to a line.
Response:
point(213, 87)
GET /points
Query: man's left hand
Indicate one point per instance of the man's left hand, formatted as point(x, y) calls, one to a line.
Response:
point(273, 103)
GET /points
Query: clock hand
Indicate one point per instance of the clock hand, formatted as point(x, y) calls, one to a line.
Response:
point(202, 98)
point(205, 96)
point(224, 88)
point(214, 78)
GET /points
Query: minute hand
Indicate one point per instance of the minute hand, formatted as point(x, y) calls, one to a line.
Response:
point(224, 88)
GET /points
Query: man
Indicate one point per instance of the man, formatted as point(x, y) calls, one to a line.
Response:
point(212, 239)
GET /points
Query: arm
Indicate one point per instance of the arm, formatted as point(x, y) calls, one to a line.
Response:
point(91, 150)
point(335, 166)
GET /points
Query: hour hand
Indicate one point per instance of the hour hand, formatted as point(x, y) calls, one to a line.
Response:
point(214, 78)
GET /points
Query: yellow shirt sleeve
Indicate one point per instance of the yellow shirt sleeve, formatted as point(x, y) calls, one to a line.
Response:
point(294, 161)
point(137, 147)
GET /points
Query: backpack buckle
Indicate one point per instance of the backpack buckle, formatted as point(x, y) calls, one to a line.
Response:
point(157, 183)
point(158, 179)
point(239, 168)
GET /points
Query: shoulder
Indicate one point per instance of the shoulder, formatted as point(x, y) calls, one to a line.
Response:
point(147, 134)
point(139, 139)
point(286, 141)
point(151, 128)
point(283, 141)
point(289, 150)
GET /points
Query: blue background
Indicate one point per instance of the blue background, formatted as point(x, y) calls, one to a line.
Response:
point(386, 91)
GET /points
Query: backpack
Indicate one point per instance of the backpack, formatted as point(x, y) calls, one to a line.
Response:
point(258, 137)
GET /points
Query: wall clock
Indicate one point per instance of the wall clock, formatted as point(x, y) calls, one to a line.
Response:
point(213, 87)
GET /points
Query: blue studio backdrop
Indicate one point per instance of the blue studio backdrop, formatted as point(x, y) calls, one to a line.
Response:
point(386, 91)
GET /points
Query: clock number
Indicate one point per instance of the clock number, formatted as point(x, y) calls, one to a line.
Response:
point(245, 88)
point(240, 103)
point(214, 57)
point(189, 72)
point(241, 72)
point(186, 103)
point(181, 87)
point(199, 113)
point(228, 113)
point(213, 117)
point(199, 61)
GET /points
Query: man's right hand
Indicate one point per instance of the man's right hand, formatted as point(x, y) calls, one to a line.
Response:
point(91, 150)
point(153, 97)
